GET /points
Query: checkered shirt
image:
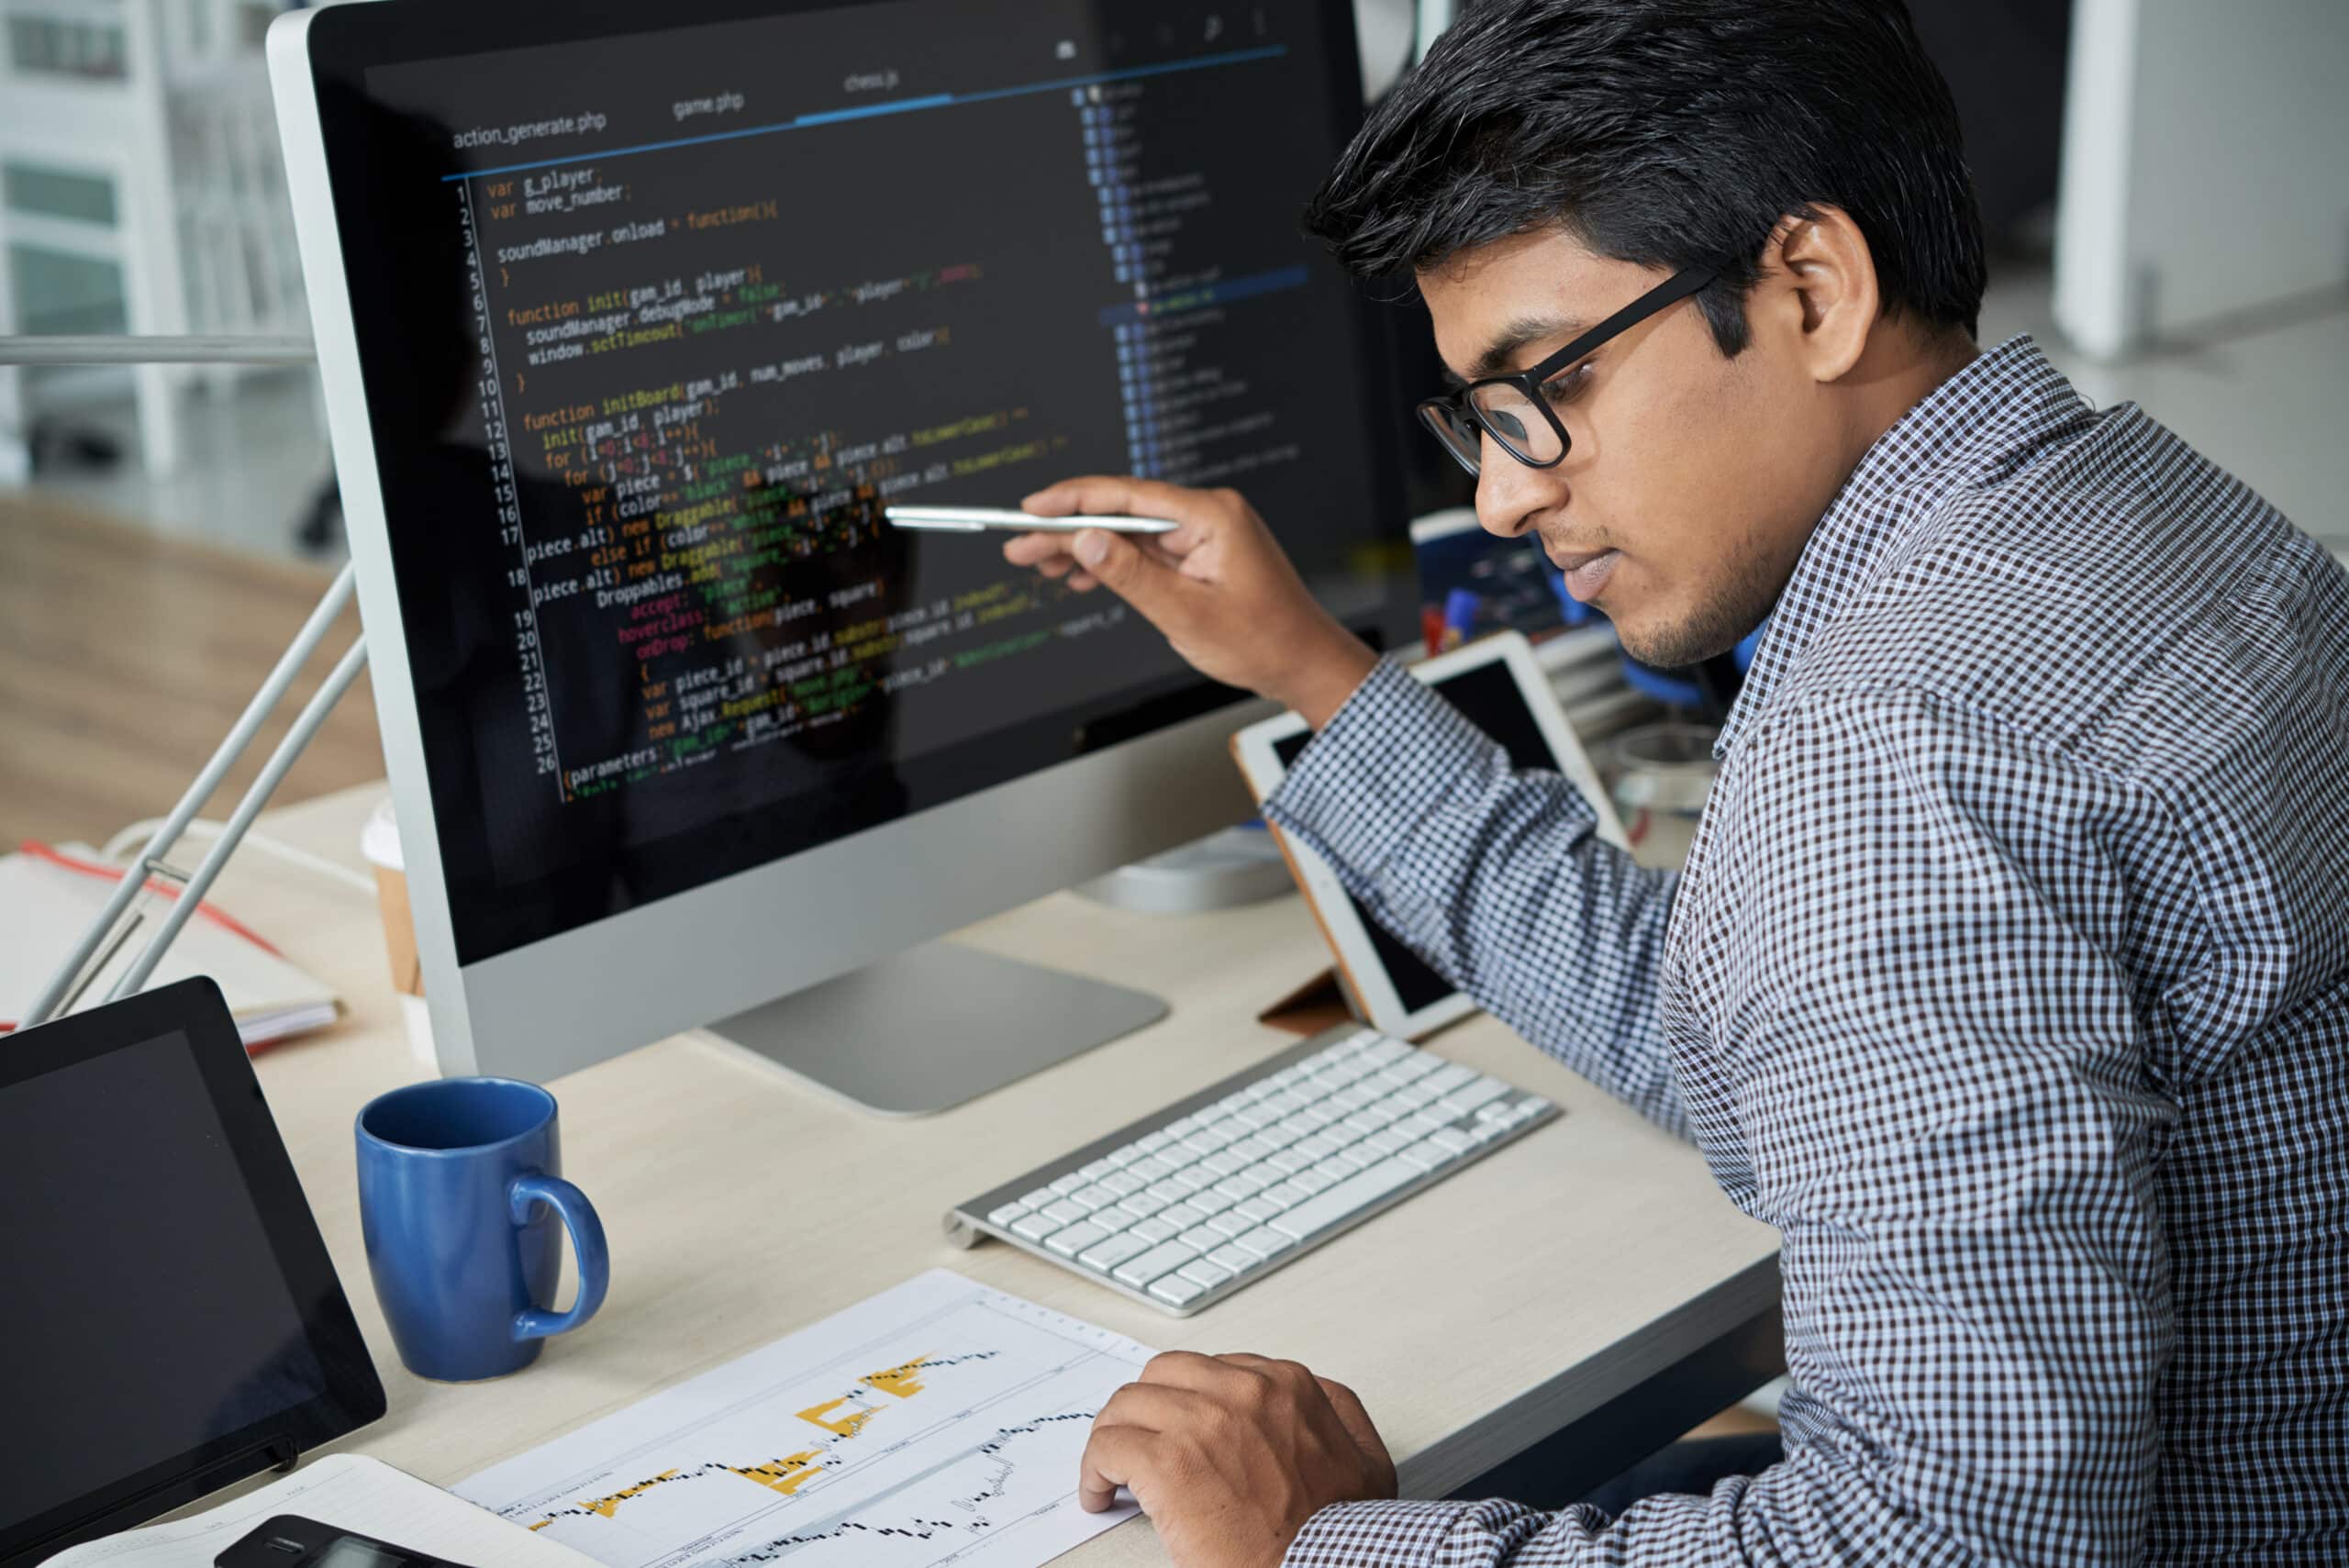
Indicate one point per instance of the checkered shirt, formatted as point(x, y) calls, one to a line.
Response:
point(2008, 978)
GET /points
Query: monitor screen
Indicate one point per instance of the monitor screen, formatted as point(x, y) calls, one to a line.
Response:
point(653, 321)
point(1488, 696)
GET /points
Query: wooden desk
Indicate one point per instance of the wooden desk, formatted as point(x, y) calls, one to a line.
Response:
point(1521, 1294)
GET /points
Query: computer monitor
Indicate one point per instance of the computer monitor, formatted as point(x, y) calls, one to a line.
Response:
point(631, 320)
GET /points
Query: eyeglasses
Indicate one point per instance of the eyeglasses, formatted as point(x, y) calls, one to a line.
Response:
point(1513, 409)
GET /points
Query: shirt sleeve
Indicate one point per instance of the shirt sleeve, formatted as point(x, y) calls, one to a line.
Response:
point(1930, 1049)
point(1496, 877)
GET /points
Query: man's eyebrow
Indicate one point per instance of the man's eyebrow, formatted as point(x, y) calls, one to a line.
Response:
point(1494, 360)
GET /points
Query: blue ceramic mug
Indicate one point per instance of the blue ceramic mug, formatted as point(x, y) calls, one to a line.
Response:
point(458, 1195)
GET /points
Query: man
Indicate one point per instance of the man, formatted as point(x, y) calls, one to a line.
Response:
point(2008, 976)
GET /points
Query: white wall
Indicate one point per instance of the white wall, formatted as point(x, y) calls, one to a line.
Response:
point(2206, 164)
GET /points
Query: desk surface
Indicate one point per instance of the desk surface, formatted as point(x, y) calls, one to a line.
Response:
point(1504, 1303)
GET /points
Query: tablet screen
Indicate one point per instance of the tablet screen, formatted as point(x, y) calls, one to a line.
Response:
point(171, 1321)
point(1487, 694)
point(160, 1314)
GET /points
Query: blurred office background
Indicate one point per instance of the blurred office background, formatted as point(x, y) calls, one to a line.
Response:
point(2163, 181)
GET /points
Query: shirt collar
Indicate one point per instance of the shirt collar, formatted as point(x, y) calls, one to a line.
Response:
point(1978, 423)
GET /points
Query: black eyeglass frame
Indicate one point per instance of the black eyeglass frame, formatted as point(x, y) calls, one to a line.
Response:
point(1436, 413)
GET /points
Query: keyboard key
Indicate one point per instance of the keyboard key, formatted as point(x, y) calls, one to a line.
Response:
point(1006, 1213)
point(1266, 1242)
point(1168, 1192)
point(1066, 1212)
point(1163, 1259)
point(1418, 1124)
point(1417, 1093)
point(1093, 1198)
point(1288, 1194)
point(1447, 1077)
point(1288, 1102)
point(1312, 1180)
point(1123, 1183)
point(1153, 1231)
point(1380, 1052)
point(1036, 1227)
point(1183, 1215)
point(1239, 1260)
point(1484, 1091)
point(1263, 1088)
point(1044, 1197)
point(1360, 1125)
point(1416, 1066)
point(1496, 1111)
point(1122, 1157)
point(1174, 1290)
point(1107, 1255)
point(1231, 1222)
point(1300, 1124)
point(1198, 1238)
point(1181, 1129)
point(1096, 1170)
point(1291, 1161)
point(1205, 1141)
point(1116, 1219)
point(1452, 1139)
point(1388, 1142)
point(1227, 1163)
point(1209, 1201)
point(1337, 1168)
point(1256, 1114)
point(1153, 1142)
point(1141, 1205)
point(1429, 1155)
point(1257, 1209)
point(1321, 1146)
point(1195, 1176)
point(1380, 1114)
point(1231, 1130)
point(1247, 1183)
point(1076, 1239)
point(1325, 1210)
point(1204, 1273)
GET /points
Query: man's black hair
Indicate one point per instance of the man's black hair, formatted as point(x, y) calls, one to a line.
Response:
point(1670, 133)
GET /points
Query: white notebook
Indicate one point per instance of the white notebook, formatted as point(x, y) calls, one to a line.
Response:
point(45, 908)
point(351, 1491)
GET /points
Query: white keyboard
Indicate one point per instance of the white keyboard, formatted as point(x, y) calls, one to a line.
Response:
point(1185, 1206)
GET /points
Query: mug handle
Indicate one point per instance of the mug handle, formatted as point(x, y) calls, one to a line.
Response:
point(587, 1239)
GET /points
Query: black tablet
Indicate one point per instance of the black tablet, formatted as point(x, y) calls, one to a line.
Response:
point(170, 1320)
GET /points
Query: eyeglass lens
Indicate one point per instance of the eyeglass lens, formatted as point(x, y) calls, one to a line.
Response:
point(1525, 430)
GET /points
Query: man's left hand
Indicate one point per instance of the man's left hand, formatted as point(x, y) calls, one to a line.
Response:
point(1230, 1455)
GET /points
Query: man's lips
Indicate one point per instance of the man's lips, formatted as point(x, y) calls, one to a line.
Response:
point(1586, 570)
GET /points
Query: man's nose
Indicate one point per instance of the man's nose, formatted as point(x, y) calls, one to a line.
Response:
point(1509, 496)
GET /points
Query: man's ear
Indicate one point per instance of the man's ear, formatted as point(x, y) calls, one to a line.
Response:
point(1818, 290)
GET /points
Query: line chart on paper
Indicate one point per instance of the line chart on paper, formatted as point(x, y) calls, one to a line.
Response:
point(936, 1422)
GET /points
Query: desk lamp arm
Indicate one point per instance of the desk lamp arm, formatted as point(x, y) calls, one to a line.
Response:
point(57, 993)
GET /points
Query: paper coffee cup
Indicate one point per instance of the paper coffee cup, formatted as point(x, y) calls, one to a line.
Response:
point(379, 841)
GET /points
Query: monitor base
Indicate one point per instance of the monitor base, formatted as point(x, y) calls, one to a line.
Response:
point(929, 1028)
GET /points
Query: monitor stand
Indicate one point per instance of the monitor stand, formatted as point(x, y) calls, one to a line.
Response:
point(934, 1026)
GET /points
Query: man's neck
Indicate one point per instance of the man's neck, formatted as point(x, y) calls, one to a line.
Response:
point(1898, 369)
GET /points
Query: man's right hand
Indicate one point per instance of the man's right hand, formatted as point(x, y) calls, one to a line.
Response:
point(1219, 587)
